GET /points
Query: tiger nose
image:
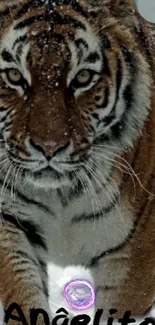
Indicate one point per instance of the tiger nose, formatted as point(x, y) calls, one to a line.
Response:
point(49, 149)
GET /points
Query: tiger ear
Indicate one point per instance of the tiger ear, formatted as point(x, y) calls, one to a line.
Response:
point(121, 8)
point(116, 8)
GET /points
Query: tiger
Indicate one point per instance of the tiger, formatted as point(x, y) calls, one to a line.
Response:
point(77, 151)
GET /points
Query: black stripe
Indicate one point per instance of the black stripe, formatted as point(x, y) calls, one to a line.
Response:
point(43, 266)
point(83, 217)
point(127, 53)
point(108, 119)
point(144, 42)
point(7, 126)
point(95, 260)
point(54, 18)
point(86, 13)
point(115, 129)
point(106, 69)
point(25, 256)
point(29, 21)
point(95, 116)
point(79, 42)
point(32, 231)
point(91, 128)
point(5, 117)
point(130, 59)
point(75, 192)
point(45, 289)
point(22, 271)
point(2, 108)
point(102, 212)
point(92, 57)
point(31, 201)
point(106, 42)
point(118, 79)
point(58, 38)
point(6, 56)
point(128, 96)
point(92, 216)
point(66, 20)
point(20, 39)
point(22, 150)
point(18, 261)
point(6, 12)
point(25, 9)
point(118, 128)
point(97, 98)
point(62, 197)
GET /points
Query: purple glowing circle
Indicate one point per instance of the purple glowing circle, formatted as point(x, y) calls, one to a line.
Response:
point(79, 294)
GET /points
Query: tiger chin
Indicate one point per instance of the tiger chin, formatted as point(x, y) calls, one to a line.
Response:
point(77, 153)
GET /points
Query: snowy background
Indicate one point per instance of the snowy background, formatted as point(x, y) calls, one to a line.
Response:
point(147, 9)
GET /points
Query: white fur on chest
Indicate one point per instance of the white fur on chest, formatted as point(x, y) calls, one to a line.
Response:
point(57, 279)
point(77, 243)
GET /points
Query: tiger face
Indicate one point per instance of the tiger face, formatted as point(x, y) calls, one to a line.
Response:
point(73, 88)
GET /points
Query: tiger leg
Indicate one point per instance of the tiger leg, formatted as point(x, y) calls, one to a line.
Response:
point(20, 279)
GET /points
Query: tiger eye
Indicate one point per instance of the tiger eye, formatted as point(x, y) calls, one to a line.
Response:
point(83, 76)
point(14, 76)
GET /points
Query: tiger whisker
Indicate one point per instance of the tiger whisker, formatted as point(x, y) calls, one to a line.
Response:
point(109, 188)
point(101, 209)
point(11, 15)
point(134, 174)
point(91, 190)
point(5, 182)
point(118, 166)
point(109, 25)
point(13, 187)
point(97, 180)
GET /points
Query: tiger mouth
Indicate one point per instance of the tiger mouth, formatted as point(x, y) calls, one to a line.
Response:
point(48, 172)
point(47, 177)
